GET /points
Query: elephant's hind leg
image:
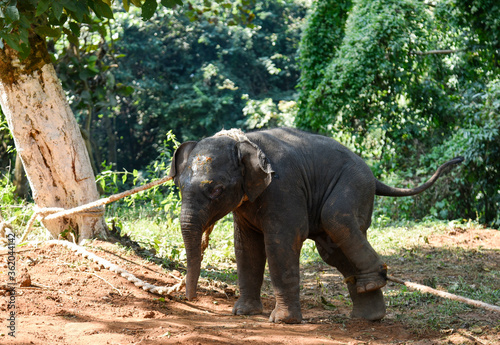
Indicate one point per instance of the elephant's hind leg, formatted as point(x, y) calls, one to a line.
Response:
point(345, 217)
point(368, 305)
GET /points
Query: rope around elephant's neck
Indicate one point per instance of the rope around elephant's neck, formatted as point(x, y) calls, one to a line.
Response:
point(233, 133)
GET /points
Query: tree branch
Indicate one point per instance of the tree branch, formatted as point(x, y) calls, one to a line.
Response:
point(436, 52)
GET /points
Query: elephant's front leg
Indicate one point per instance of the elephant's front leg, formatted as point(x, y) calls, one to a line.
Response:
point(283, 255)
point(251, 261)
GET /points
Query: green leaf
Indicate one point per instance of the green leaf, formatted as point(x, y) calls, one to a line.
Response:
point(78, 8)
point(75, 28)
point(43, 6)
point(93, 69)
point(23, 34)
point(25, 51)
point(70, 5)
point(137, 3)
point(12, 13)
point(148, 9)
point(103, 10)
point(71, 37)
point(12, 40)
point(55, 21)
point(126, 5)
point(124, 90)
point(47, 31)
point(57, 9)
point(171, 3)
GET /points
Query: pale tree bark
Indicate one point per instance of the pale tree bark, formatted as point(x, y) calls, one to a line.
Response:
point(47, 138)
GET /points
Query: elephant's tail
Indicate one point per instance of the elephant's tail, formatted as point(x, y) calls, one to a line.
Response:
point(385, 190)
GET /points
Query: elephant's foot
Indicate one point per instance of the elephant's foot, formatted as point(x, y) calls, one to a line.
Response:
point(368, 282)
point(369, 305)
point(286, 314)
point(246, 306)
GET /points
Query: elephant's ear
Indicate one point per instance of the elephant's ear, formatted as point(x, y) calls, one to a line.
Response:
point(180, 159)
point(257, 169)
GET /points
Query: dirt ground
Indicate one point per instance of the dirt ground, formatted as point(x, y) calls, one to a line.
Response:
point(72, 300)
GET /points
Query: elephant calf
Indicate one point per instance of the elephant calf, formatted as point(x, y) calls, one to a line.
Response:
point(284, 186)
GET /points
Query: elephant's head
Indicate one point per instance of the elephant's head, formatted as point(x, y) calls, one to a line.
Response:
point(214, 176)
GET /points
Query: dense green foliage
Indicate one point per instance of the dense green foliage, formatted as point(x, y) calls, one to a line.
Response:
point(374, 80)
point(410, 84)
point(194, 78)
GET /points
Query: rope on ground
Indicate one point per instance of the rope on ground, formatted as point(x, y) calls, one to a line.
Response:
point(96, 209)
point(446, 295)
point(159, 290)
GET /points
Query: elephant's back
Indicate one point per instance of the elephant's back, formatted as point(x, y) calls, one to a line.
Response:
point(318, 159)
point(293, 142)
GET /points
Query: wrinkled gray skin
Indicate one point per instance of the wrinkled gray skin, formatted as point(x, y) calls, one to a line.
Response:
point(284, 186)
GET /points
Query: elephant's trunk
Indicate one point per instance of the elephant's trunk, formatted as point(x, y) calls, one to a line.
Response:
point(191, 235)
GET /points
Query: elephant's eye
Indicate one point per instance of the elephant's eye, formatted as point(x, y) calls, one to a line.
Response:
point(216, 192)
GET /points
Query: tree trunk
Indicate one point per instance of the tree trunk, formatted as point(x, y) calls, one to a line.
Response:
point(48, 138)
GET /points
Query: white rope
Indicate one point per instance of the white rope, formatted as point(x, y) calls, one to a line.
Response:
point(95, 209)
point(92, 209)
point(447, 295)
point(159, 290)
point(233, 133)
point(105, 201)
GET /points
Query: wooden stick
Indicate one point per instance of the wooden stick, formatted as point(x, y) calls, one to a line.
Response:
point(443, 294)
